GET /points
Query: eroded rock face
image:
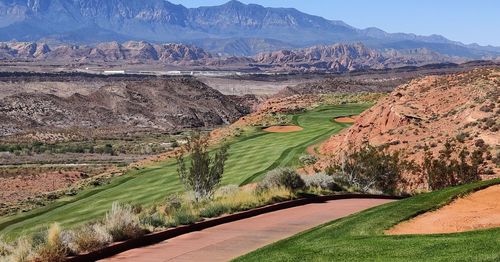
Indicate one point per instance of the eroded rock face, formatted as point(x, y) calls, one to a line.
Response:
point(426, 113)
point(331, 58)
point(347, 57)
point(340, 57)
point(105, 52)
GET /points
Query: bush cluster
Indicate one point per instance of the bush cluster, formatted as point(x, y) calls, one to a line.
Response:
point(447, 170)
point(281, 177)
point(320, 181)
point(308, 160)
point(371, 169)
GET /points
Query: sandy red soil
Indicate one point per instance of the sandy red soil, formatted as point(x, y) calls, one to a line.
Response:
point(21, 187)
point(479, 210)
point(345, 120)
point(426, 113)
point(283, 129)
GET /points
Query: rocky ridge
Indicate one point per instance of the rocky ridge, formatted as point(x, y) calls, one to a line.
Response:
point(121, 106)
point(426, 113)
point(332, 58)
point(105, 52)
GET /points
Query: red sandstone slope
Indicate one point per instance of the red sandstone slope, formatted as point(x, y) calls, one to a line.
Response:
point(428, 112)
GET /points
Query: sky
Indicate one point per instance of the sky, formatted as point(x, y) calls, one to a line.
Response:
point(467, 21)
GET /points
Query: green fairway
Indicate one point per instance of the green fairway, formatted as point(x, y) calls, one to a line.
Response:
point(360, 237)
point(250, 156)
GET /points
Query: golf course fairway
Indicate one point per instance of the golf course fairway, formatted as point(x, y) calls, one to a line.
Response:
point(250, 157)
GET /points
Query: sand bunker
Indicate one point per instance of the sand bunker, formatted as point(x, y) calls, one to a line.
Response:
point(350, 119)
point(283, 129)
point(479, 210)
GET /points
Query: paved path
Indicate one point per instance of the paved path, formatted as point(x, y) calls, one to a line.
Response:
point(227, 241)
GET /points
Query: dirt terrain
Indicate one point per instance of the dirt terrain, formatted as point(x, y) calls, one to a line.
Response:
point(479, 210)
point(21, 187)
point(350, 119)
point(426, 113)
point(283, 129)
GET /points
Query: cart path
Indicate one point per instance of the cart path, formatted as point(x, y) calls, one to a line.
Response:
point(227, 241)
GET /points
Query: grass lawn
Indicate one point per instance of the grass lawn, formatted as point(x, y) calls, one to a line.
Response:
point(360, 237)
point(250, 156)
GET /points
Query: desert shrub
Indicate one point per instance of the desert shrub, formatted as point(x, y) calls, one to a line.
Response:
point(185, 216)
point(23, 251)
point(172, 203)
point(446, 170)
point(371, 169)
point(214, 210)
point(274, 195)
point(496, 159)
point(227, 190)
point(461, 137)
point(281, 177)
point(5, 248)
point(205, 171)
point(241, 200)
point(153, 221)
point(487, 108)
point(54, 249)
point(122, 223)
point(89, 238)
point(308, 160)
point(479, 143)
point(321, 181)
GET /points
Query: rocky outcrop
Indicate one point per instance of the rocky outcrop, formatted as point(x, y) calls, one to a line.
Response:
point(339, 58)
point(426, 113)
point(348, 57)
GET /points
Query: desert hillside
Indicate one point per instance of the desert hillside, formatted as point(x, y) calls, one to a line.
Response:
point(428, 112)
point(121, 105)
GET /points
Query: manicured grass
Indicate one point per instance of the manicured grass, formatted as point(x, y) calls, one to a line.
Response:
point(249, 158)
point(360, 237)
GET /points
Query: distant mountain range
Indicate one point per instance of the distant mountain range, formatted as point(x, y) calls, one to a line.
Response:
point(319, 58)
point(233, 28)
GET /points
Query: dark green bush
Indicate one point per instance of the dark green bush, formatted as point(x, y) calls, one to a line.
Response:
point(308, 160)
point(155, 220)
point(371, 168)
point(172, 203)
point(447, 170)
point(281, 177)
point(185, 216)
point(214, 210)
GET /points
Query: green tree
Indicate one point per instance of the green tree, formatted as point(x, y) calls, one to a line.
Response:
point(205, 170)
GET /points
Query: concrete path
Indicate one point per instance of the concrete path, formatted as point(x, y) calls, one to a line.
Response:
point(231, 240)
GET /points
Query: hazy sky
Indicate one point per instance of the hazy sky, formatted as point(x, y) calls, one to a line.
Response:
point(467, 21)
